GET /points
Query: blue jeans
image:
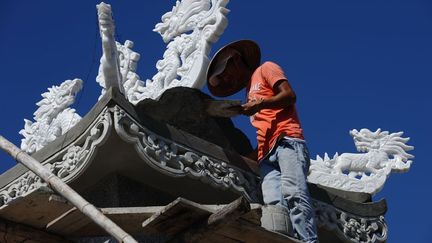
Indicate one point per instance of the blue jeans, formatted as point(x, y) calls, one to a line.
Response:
point(283, 172)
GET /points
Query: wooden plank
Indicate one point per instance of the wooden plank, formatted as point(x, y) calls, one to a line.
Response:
point(227, 214)
point(175, 217)
point(234, 222)
point(13, 232)
point(230, 212)
point(36, 209)
point(74, 223)
point(70, 221)
point(157, 219)
point(130, 219)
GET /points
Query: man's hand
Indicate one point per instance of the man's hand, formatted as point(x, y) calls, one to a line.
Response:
point(252, 107)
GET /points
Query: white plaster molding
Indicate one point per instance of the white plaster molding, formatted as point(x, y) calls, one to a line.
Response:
point(53, 117)
point(381, 154)
point(189, 29)
point(349, 227)
point(67, 164)
point(176, 160)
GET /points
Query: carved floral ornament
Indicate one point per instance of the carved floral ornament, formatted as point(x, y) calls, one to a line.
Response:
point(349, 227)
point(67, 164)
point(176, 160)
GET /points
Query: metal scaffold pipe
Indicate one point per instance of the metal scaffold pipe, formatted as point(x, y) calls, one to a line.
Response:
point(67, 192)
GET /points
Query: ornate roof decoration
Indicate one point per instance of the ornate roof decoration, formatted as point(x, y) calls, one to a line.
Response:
point(189, 29)
point(380, 154)
point(53, 117)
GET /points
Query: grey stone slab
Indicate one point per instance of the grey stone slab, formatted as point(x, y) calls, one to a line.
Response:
point(175, 217)
point(35, 209)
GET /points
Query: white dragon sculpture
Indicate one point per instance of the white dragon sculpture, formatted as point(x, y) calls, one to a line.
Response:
point(381, 154)
point(189, 29)
point(53, 117)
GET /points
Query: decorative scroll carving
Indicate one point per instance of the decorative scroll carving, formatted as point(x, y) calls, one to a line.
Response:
point(176, 160)
point(109, 72)
point(190, 28)
point(66, 164)
point(349, 227)
point(53, 117)
point(382, 153)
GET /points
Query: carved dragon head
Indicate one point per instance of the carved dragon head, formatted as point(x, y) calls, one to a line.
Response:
point(184, 17)
point(57, 99)
point(393, 144)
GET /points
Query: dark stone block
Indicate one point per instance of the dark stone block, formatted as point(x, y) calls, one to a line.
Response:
point(184, 108)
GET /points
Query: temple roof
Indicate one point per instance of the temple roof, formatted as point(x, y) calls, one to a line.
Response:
point(120, 156)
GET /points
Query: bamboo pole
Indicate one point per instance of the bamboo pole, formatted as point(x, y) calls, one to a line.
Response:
point(67, 192)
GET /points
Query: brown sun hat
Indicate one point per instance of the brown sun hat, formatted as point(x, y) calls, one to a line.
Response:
point(251, 55)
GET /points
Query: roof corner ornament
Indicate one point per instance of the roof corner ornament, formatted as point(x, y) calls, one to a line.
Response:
point(109, 69)
point(53, 117)
point(380, 154)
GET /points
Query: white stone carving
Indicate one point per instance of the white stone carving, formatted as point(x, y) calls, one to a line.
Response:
point(53, 117)
point(67, 164)
point(109, 68)
point(128, 66)
point(381, 154)
point(189, 29)
point(173, 159)
point(349, 227)
point(185, 61)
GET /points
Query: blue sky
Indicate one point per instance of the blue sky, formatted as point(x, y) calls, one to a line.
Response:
point(353, 64)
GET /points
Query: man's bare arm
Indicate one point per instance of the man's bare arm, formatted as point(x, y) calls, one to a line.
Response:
point(284, 97)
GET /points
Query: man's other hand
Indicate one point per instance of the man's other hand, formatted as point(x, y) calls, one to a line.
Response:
point(251, 107)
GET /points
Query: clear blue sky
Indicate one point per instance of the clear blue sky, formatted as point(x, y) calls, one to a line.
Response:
point(353, 64)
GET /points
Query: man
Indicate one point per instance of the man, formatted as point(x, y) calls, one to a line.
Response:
point(282, 153)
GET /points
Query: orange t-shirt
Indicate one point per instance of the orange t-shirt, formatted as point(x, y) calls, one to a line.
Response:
point(270, 123)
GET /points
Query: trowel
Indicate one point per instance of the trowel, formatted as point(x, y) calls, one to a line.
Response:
point(223, 108)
